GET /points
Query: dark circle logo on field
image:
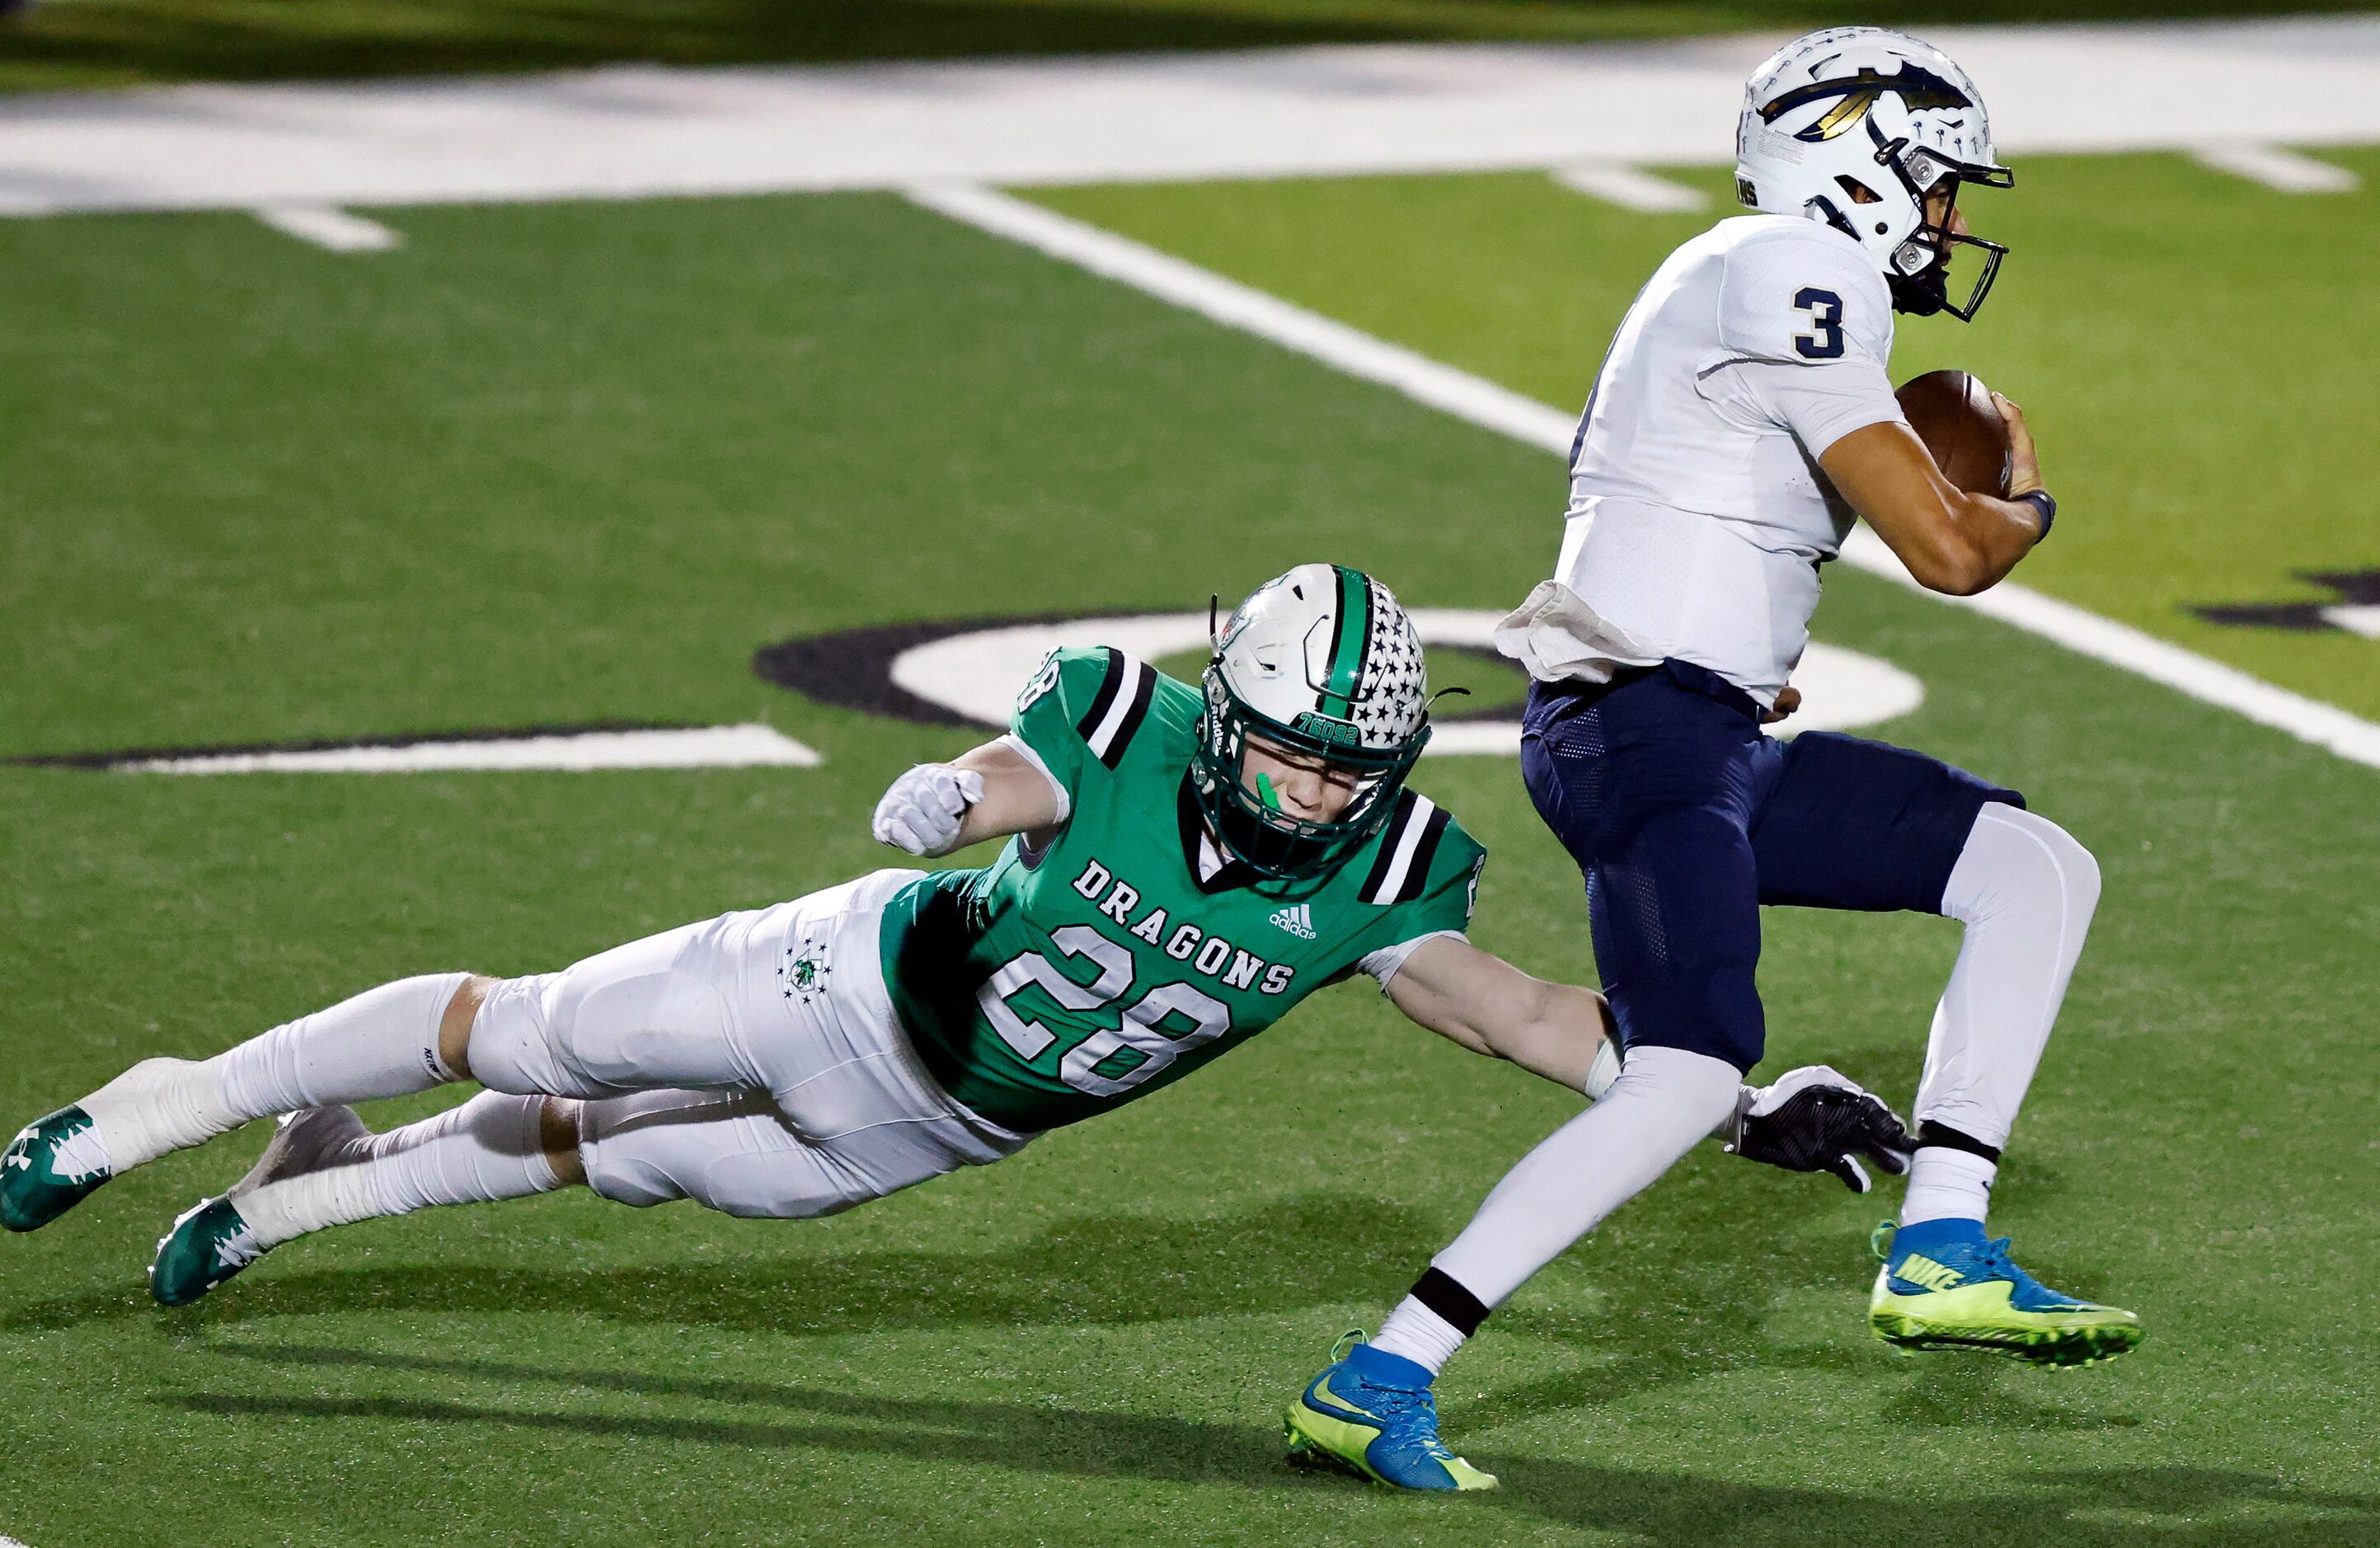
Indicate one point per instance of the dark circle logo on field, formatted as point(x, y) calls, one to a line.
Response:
point(2357, 610)
point(967, 672)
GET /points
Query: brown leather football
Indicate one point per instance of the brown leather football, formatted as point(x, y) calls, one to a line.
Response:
point(1952, 412)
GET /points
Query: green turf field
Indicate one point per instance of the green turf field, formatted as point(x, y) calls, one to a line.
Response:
point(569, 463)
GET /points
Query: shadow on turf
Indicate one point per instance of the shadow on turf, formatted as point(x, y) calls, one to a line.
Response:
point(1686, 1291)
point(1113, 1268)
point(1679, 1293)
point(2079, 1507)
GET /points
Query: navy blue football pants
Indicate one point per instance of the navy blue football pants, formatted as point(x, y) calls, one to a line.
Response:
point(1685, 819)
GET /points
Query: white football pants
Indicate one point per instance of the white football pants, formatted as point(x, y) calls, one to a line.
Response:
point(750, 1063)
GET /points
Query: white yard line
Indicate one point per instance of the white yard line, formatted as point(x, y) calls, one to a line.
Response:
point(1243, 307)
point(326, 226)
point(2356, 618)
point(2135, 651)
point(2278, 168)
point(1484, 404)
point(644, 132)
point(744, 746)
point(1630, 188)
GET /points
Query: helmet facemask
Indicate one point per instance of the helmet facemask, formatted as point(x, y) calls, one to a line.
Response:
point(1919, 269)
point(1319, 666)
point(1261, 834)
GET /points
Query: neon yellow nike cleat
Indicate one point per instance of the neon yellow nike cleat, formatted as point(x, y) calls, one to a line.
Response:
point(1943, 1286)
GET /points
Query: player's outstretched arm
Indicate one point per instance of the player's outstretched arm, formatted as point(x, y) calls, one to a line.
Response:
point(989, 793)
point(1812, 1120)
point(1490, 1006)
point(1951, 540)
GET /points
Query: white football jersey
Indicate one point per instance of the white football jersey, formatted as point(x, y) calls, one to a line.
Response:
point(1698, 517)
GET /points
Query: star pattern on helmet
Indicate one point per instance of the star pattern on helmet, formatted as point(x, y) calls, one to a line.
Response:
point(1394, 691)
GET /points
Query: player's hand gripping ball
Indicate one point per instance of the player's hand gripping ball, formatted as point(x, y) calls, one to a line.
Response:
point(1955, 414)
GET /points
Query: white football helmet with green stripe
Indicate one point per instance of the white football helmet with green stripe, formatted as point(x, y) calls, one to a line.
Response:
point(1321, 661)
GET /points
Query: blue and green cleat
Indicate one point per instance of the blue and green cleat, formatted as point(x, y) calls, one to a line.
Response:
point(1371, 1415)
point(54, 1164)
point(1944, 1286)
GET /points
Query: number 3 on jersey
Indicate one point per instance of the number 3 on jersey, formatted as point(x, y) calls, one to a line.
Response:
point(1825, 340)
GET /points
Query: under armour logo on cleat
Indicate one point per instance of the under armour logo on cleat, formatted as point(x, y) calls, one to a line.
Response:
point(1297, 919)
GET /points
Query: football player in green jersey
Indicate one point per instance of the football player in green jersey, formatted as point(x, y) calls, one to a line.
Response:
point(1181, 869)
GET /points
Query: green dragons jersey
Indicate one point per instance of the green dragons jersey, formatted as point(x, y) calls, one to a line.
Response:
point(1061, 982)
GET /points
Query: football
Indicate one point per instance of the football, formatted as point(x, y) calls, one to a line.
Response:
point(1952, 412)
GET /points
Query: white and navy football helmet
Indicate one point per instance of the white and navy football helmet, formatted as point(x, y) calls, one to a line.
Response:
point(1321, 661)
point(1865, 107)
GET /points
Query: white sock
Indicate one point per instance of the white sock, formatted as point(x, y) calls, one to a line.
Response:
point(490, 1148)
point(1419, 1334)
point(1946, 1184)
point(382, 1043)
point(2025, 890)
point(157, 1106)
point(1665, 1101)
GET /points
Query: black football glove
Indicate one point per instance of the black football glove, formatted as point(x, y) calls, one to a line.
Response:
point(1814, 1121)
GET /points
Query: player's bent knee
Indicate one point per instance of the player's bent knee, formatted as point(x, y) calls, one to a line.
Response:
point(1697, 1083)
point(454, 1025)
point(2019, 859)
point(511, 1044)
point(557, 1132)
point(2068, 867)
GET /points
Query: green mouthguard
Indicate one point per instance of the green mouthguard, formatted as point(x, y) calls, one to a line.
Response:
point(1264, 791)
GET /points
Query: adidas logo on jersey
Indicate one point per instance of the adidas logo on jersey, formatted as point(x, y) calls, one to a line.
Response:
point(1297, 919)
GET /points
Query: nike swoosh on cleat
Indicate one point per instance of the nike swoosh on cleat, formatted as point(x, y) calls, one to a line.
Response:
point(1324, 1400)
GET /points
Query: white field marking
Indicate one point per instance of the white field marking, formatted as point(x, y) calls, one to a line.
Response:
point(1492, 407)
point(643, 131)
point(328, 226)
point(2278, 168)
point(1630, 188)
point(702, 747)
point(976, 674)
point(2360, 618)
point(2135, 651)
point(1243, 307)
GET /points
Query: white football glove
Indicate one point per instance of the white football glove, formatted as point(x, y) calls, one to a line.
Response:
point(922, 810)
point(1816, 1120)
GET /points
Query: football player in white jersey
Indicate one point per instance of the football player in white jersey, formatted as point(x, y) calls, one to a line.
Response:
point(1742, 422)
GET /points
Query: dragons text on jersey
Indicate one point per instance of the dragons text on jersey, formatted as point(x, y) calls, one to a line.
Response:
point(1062, 981)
